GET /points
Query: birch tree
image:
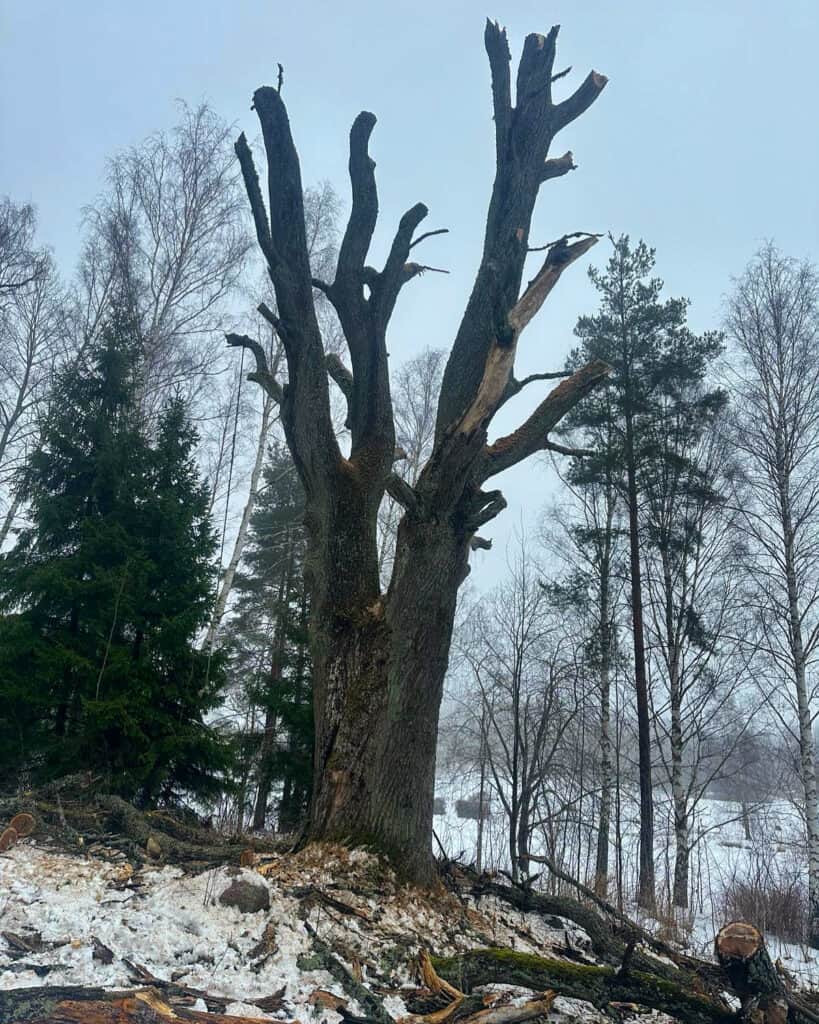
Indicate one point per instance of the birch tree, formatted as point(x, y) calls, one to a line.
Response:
point(773, 323)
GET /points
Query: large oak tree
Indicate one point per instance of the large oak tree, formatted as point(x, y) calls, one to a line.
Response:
point(379, 657)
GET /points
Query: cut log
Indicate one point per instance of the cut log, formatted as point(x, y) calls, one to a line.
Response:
point(740, 949)
point(597, 985)
point(76, 1005)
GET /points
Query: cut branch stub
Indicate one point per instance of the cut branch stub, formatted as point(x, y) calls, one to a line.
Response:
point(262, 374)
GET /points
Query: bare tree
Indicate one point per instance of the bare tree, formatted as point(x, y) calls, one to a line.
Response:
point(522, 655)
point(167, 241)
point(587, 533)
point(379, 658)
point(773, 322)
point(31, 341)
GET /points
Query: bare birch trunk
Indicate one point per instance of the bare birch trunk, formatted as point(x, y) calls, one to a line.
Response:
point(226, 585)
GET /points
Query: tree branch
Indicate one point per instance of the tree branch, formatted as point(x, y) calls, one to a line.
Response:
point(564, 449)
point(340, 374)
point(532, 436)
point(559, 256)
point(399, 490)
point(515, 386)
point(429, 234)
point(501, 357)
point(270, 316)
point(254, 195)
point(579, 101)
point(262, 374)
point(497, 50)
point(523, 136)
point(558, 166)
point(364, 210)
point(488, 504)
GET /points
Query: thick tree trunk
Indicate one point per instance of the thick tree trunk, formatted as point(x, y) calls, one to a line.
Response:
point(379, 660)
point(376, 729)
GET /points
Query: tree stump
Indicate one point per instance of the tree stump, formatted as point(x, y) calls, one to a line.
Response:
point(740, 949)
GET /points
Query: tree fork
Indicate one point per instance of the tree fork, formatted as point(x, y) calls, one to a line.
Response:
point(379, 659)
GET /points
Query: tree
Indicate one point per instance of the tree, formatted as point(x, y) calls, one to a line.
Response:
point(167, 242)
point(591, 551)
point(522, 655)
point(773, 324)
point(30, 345)
point(379, 657)
point(692, 595)
point(106, 589)
point(654, 358)
point(268, 642)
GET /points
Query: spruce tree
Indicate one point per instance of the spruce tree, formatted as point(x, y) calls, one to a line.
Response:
point(106, 589)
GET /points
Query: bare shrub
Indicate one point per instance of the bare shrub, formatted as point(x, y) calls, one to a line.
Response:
point(776, 905)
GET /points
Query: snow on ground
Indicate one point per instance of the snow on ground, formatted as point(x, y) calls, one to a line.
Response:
point(173, 925)
point(771, 850)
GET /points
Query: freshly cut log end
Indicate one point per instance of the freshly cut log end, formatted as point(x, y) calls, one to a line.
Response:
point(738, 941)
point(23, 823)
point(8, 839)
point(740, 949)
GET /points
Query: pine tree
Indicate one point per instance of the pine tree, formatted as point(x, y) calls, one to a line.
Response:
point(269, 645)
point(106, 589)
point(656, 386)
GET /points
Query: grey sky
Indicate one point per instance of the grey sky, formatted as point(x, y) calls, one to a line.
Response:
point(704, 142)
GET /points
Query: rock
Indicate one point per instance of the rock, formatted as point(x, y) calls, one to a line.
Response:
point(249, 897)
point(101, 951)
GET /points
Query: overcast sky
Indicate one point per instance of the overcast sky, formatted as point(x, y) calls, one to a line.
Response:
point(704, 143)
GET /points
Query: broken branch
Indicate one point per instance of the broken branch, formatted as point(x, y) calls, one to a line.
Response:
point(262, 374)
point(532, 436)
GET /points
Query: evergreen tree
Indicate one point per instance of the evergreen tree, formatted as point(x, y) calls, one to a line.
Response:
point(106, 589)
point(269, 645)
point(656, 387)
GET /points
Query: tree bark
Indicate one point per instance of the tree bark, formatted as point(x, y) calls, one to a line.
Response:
point(379, 659)
point(606, 644)
point(740, 950)
point(807, 757)
point(646, 897)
